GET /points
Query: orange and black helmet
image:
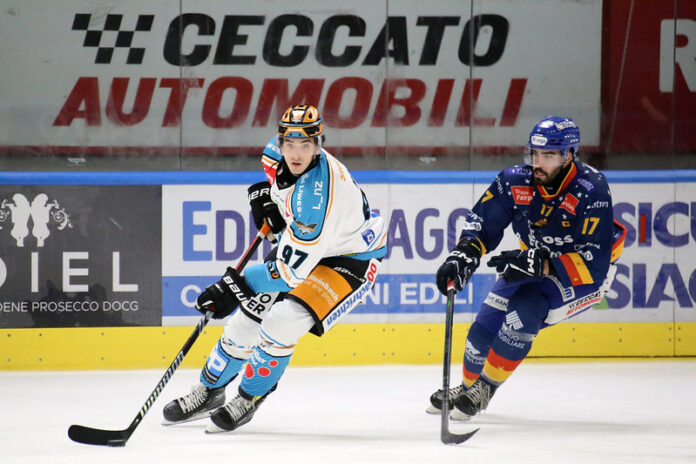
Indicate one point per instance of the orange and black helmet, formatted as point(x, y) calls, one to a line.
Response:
point(301, 121)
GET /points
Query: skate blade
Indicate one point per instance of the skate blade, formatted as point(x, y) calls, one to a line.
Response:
point(433, 410)
point(457, 415)
point(190, 419)
point(214, 429)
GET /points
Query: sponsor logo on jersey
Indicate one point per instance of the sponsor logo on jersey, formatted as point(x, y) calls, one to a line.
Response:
point(273, 270)
point(471, 226)
point(586, 183)
point(558, 241)
point(599, 204)
point(349, 303)
point(522, 195)
point(569, 203)
point(584, 302)
point(368, 236)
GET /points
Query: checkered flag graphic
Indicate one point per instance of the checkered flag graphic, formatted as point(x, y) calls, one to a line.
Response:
point(124, 38)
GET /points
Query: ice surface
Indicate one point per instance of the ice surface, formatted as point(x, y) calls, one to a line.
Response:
point(578, 412)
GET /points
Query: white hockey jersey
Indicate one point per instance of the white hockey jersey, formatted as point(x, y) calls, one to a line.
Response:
point(327, 215)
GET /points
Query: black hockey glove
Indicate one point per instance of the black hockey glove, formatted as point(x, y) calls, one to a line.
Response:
point(263, 208)
point(459, 266)
point(225, 295)
point(520, 264)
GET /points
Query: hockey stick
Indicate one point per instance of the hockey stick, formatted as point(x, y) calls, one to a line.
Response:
point(90, 436)
point(446, 436)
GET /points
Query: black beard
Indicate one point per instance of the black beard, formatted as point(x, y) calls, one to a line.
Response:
point(552, 184)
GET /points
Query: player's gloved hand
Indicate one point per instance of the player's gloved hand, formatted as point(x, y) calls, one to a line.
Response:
point(459, 266)
point(263, 208)
point(225, 295)
point(520, 264)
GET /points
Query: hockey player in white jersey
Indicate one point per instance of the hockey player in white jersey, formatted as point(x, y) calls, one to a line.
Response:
point(329, 248)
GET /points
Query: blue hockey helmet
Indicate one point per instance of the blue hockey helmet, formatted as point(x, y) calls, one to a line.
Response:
point(555, 133)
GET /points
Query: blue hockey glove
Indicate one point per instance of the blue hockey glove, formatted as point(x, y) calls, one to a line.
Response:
point(225, 295)
point(520, 264)
point(459, 266)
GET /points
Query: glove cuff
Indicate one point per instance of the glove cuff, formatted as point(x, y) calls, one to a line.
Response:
point(471, 247)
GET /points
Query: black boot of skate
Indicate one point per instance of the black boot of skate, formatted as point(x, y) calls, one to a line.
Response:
point(435, 406)
point(198, 404)
point(236, 413)
point(473, 400)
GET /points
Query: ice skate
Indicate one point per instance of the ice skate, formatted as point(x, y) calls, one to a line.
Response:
point(472, 401)
point(435, 406)
point(198, 404)
point(234, 414)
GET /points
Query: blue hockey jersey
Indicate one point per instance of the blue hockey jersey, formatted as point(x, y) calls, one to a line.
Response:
point(575, 223)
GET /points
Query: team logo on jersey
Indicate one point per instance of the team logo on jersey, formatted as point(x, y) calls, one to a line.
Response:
point(305, 228)
point(41, 211)
point(522, 195)
point(569, 203)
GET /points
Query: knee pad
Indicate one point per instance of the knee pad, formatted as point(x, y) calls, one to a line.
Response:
point(240, 335)
point(236, 344)
point(283, 326)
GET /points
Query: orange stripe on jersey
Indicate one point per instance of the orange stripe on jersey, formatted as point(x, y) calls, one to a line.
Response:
point(569, 177)
point(576, 269)
point(618, 246)
point(497, 368)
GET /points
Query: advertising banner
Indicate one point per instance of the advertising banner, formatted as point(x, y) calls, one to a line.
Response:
point(206, 228)
point(652, 113)
point(214, 77)
point(80, 256)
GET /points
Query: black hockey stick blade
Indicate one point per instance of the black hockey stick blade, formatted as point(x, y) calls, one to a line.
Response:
point(91, 436)
point(446, 436)
point(449, 438)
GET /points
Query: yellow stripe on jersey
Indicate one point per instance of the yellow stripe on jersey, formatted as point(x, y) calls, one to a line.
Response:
point(580, 268)
point(616, 251)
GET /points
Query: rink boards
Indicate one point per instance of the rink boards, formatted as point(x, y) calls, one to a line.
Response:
point(108, 268)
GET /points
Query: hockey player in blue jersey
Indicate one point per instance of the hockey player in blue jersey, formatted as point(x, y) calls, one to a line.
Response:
point(329, 248)
point(561, 211)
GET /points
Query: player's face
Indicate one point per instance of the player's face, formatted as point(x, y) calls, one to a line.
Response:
point(546, 164)
point(298, 153)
